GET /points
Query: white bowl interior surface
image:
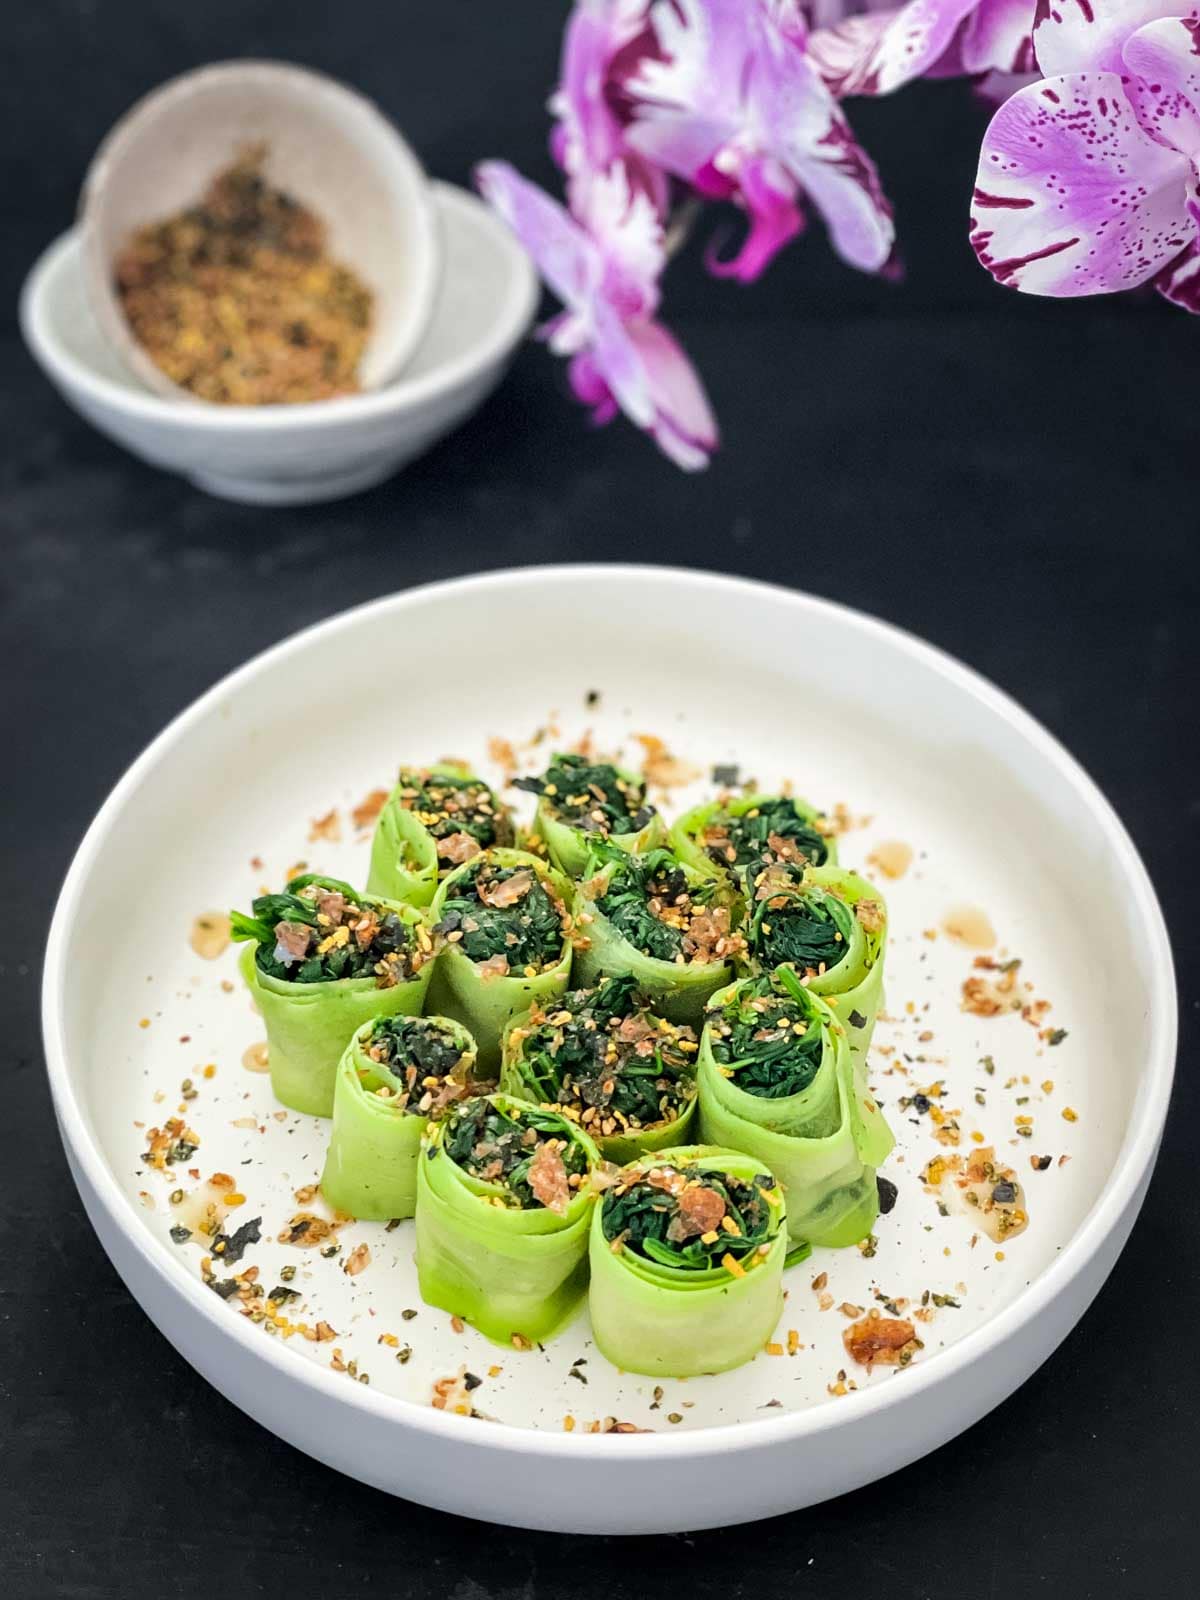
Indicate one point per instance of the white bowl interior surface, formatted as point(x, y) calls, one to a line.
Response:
point(998, 817)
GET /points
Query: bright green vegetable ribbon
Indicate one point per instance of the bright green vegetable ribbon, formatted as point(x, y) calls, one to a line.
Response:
point(485, 1002)
point(678, 989)
point(310, 1024)
point(675, 1321)
point(371, 1163)
point(506, 1269)
point(405, 864)
point(824, 1141)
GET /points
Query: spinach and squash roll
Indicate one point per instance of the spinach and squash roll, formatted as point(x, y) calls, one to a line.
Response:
point(320, 960)
point(777, 1080)
point(742, 834)
point(396, 1075)
point(506, 923)
point(580, 801)
point(435, 818)
point(605, 1059)
point(653, 918)
point(687, 1254)
point(831, 925)
point(504, 1202)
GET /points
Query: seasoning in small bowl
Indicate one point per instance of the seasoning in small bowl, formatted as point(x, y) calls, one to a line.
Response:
point(237, 299)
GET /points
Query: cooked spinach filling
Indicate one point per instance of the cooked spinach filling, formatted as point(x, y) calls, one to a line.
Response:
point(456, 809)
point(650, 900)
point(689, 1217)
point(737, 840)
point(422, 1059)
point(522, 1151)
point(766, 1038)
point(320, 929)
point(591, 796)
point(604, 1059)
point(797, 922)
point(507, 912)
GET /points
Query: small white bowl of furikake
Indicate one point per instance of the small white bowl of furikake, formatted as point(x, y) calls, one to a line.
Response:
point(526, 1130)
point(285, 309)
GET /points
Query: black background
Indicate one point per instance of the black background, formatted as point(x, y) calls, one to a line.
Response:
point(1013, 479)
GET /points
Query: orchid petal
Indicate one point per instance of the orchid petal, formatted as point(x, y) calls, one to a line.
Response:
point(1163, 57)
point(564, 255)
point(683, 427)
point(589, 387)
point(998, 37)
point(881, 52)
point(774, 220)
point(1087, 35)
point(817, 147)
point(1072, 197)
point(625, 225)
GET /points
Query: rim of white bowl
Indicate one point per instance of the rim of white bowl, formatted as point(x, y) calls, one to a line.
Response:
point(513, 317)
point(1133, 1159)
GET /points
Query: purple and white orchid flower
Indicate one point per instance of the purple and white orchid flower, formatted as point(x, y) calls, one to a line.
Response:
point(887, 47)
point(604, 264)
point(731, 104)
point(602, 44)
point(1088, 180)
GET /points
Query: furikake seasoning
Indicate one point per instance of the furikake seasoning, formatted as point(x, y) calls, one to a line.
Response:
point(509, 918)
point(650, 900)
point(690, 1217)
point(236, 299)
point(604, 1059)
point(320, 930)
point(423, 1062)
point(458, 810)
point(520, 1150)
point(764, 1038)
point(591, 796)
point(770, 830)
point(797, 922)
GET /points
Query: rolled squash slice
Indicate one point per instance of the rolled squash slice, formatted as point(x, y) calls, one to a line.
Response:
point(320, 960)
point(605, 1059)
point(505, 921)
point(435, 818)
point(395, 1076)
point(504, 1202)
point(777, 1080)
point(687, 1254)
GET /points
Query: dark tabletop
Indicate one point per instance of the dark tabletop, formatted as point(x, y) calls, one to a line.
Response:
point(1014, 480)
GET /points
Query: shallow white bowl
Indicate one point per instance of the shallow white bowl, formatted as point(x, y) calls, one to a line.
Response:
point(999, 817)
point(291, 455)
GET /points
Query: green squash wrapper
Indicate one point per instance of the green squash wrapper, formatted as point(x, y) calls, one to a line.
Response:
point(435, 818)
point(831, 925)
point(603, 1058)
point(396, 1075)
point(741, 834)
point(504, 1203)
point(320, 960)
point(657, 920)
point(777, 1080)
point(687, 1254)
point(581, 802)
point(506, 922)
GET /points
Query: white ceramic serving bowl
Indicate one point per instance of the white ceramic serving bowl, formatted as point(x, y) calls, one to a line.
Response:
point(291, 455)
point(321, 141)
point(722, 669)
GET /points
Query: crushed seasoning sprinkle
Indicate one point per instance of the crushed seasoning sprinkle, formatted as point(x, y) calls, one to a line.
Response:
point(236, 299)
